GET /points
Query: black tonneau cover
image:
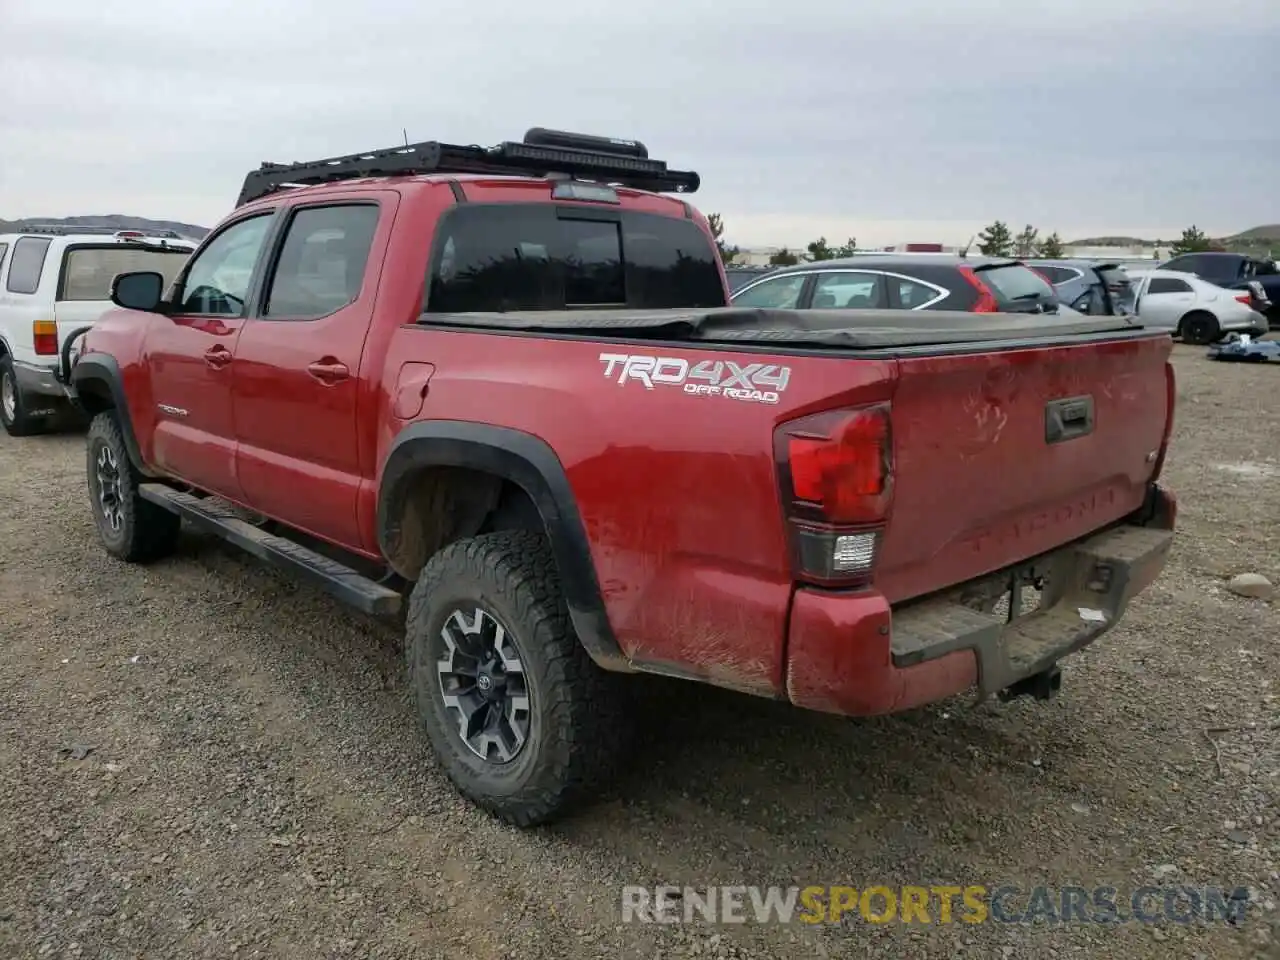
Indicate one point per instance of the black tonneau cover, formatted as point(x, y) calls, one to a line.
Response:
point(865, 329)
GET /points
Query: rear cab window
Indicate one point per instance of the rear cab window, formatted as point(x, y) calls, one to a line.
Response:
point(88, 270)
point(1015, 281)
point(542, 256)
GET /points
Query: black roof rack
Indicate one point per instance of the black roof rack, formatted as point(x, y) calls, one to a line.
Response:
point(542, 153)
point(92, 230)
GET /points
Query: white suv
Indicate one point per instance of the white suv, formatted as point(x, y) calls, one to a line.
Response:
point(54, 284)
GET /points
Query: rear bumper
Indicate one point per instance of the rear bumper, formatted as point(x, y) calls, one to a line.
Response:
point(852, 654)
point(38, 380)
point(1254, 323)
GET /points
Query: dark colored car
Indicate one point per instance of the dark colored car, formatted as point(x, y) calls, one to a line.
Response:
point(904, 282)
point(740, 276)
point(1237, 271)
point(1095, 287)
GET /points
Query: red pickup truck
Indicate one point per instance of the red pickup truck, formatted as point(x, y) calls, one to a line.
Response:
point(500, 390)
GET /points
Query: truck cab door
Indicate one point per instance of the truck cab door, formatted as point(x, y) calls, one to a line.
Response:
point(298, 384)
point(189, 353)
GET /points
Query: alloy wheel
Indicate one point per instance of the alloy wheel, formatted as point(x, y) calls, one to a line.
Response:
point(110, 502)
point(482, 681)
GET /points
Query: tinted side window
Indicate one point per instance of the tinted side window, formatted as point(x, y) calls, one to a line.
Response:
point(1015, 282)
point(26, 264)
point(322, 262)
point(780, 293)
point(912, 295)
point(217, 282)
point(1056, 275)
point(848, 290)
point(503, 257)
point(1167, 285)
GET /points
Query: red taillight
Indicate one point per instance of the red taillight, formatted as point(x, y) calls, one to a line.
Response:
point(836, 476)
point(986, 299)
point(840, 463)
point(1244, 298)
point(44, 333)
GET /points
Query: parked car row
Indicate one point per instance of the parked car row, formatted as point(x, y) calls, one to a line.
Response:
point(1189, 306)
point(1237, 271)
point(910, 282)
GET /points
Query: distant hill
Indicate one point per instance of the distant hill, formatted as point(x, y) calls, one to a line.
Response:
point(1254, 236)
point(1111, 242)
point(1270, 231)
point(117, 220)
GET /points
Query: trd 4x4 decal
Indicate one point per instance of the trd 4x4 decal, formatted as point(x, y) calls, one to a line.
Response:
point(754, 382)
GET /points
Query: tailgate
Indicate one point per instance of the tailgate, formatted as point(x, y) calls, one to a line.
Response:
point(1002, 456)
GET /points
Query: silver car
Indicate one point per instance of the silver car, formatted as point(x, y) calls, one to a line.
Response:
point(1197, 311)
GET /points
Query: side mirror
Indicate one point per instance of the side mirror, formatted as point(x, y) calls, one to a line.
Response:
point(140, 290)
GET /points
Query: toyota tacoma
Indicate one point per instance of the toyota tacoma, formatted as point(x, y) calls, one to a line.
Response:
point(500, 392)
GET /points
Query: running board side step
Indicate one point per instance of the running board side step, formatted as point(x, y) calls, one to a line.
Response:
point(341, 581)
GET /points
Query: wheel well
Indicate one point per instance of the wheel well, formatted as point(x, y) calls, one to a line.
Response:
point(447, 504)
point(95, 396)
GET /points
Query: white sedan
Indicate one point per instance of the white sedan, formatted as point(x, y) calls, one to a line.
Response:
point(1197, 311)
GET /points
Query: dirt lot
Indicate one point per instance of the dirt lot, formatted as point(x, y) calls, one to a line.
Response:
point(257, 787)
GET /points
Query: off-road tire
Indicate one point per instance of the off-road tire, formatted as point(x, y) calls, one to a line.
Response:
point(1199, 328)
point(579, 721)
point(20, 424)
point(147, 531)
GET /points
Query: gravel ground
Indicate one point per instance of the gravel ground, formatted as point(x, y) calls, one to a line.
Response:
point(256, 785)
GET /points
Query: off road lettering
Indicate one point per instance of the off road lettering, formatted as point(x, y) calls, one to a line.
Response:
point(753, 382)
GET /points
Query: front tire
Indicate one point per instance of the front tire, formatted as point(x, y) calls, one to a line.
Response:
point(131, 528)
point(523, 721)
point(13, 405)
point(1199, 328)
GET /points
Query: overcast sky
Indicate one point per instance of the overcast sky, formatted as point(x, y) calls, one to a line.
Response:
point(888, 120)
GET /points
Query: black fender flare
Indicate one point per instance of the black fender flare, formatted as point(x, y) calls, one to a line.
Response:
point(100, 368)
point(532, 465)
